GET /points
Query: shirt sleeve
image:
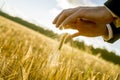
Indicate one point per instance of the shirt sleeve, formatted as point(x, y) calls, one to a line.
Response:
point(115, 33)
point(110, 33)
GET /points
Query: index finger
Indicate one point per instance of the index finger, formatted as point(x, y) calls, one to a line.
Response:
point(72, 18)
point(56, 18)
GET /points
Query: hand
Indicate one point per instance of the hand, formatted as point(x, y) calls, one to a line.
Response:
point(93, 14)
point(61, 17)
point(87, 28)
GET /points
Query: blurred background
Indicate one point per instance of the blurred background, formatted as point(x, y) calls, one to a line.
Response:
point(31, 47)
point(42, 13)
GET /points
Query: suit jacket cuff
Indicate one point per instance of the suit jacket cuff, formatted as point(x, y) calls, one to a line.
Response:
point(110, 33)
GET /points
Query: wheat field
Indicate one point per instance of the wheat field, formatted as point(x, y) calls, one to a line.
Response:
point(28, 55)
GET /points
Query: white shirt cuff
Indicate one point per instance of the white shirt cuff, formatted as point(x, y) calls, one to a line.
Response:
point(110, 33)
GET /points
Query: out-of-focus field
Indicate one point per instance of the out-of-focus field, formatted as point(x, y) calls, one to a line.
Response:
point(28, 55)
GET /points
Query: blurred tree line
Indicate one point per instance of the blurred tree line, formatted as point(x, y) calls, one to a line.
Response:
point(103, 53)
point(37, 28)
point(100, 52)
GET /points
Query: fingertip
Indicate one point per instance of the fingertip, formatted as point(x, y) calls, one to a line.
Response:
point(60, 27)
point(54, 22)
point(57, 25)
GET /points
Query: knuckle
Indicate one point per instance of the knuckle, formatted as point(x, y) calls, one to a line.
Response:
point(83, 10)
point(64, 11)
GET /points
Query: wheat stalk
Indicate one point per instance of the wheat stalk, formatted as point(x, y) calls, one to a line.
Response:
point(53, 59)
point(63, 38)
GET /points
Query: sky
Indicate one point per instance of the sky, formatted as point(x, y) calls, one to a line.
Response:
point(42, 12)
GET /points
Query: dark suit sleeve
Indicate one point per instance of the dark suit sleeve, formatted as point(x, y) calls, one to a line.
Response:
point(114, 6)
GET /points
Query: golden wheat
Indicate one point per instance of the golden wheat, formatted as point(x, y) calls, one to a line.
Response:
point(27, 55)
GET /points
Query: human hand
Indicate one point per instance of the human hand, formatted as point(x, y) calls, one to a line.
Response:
point(61, 17)
point(93, 14)
point(87, 28)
